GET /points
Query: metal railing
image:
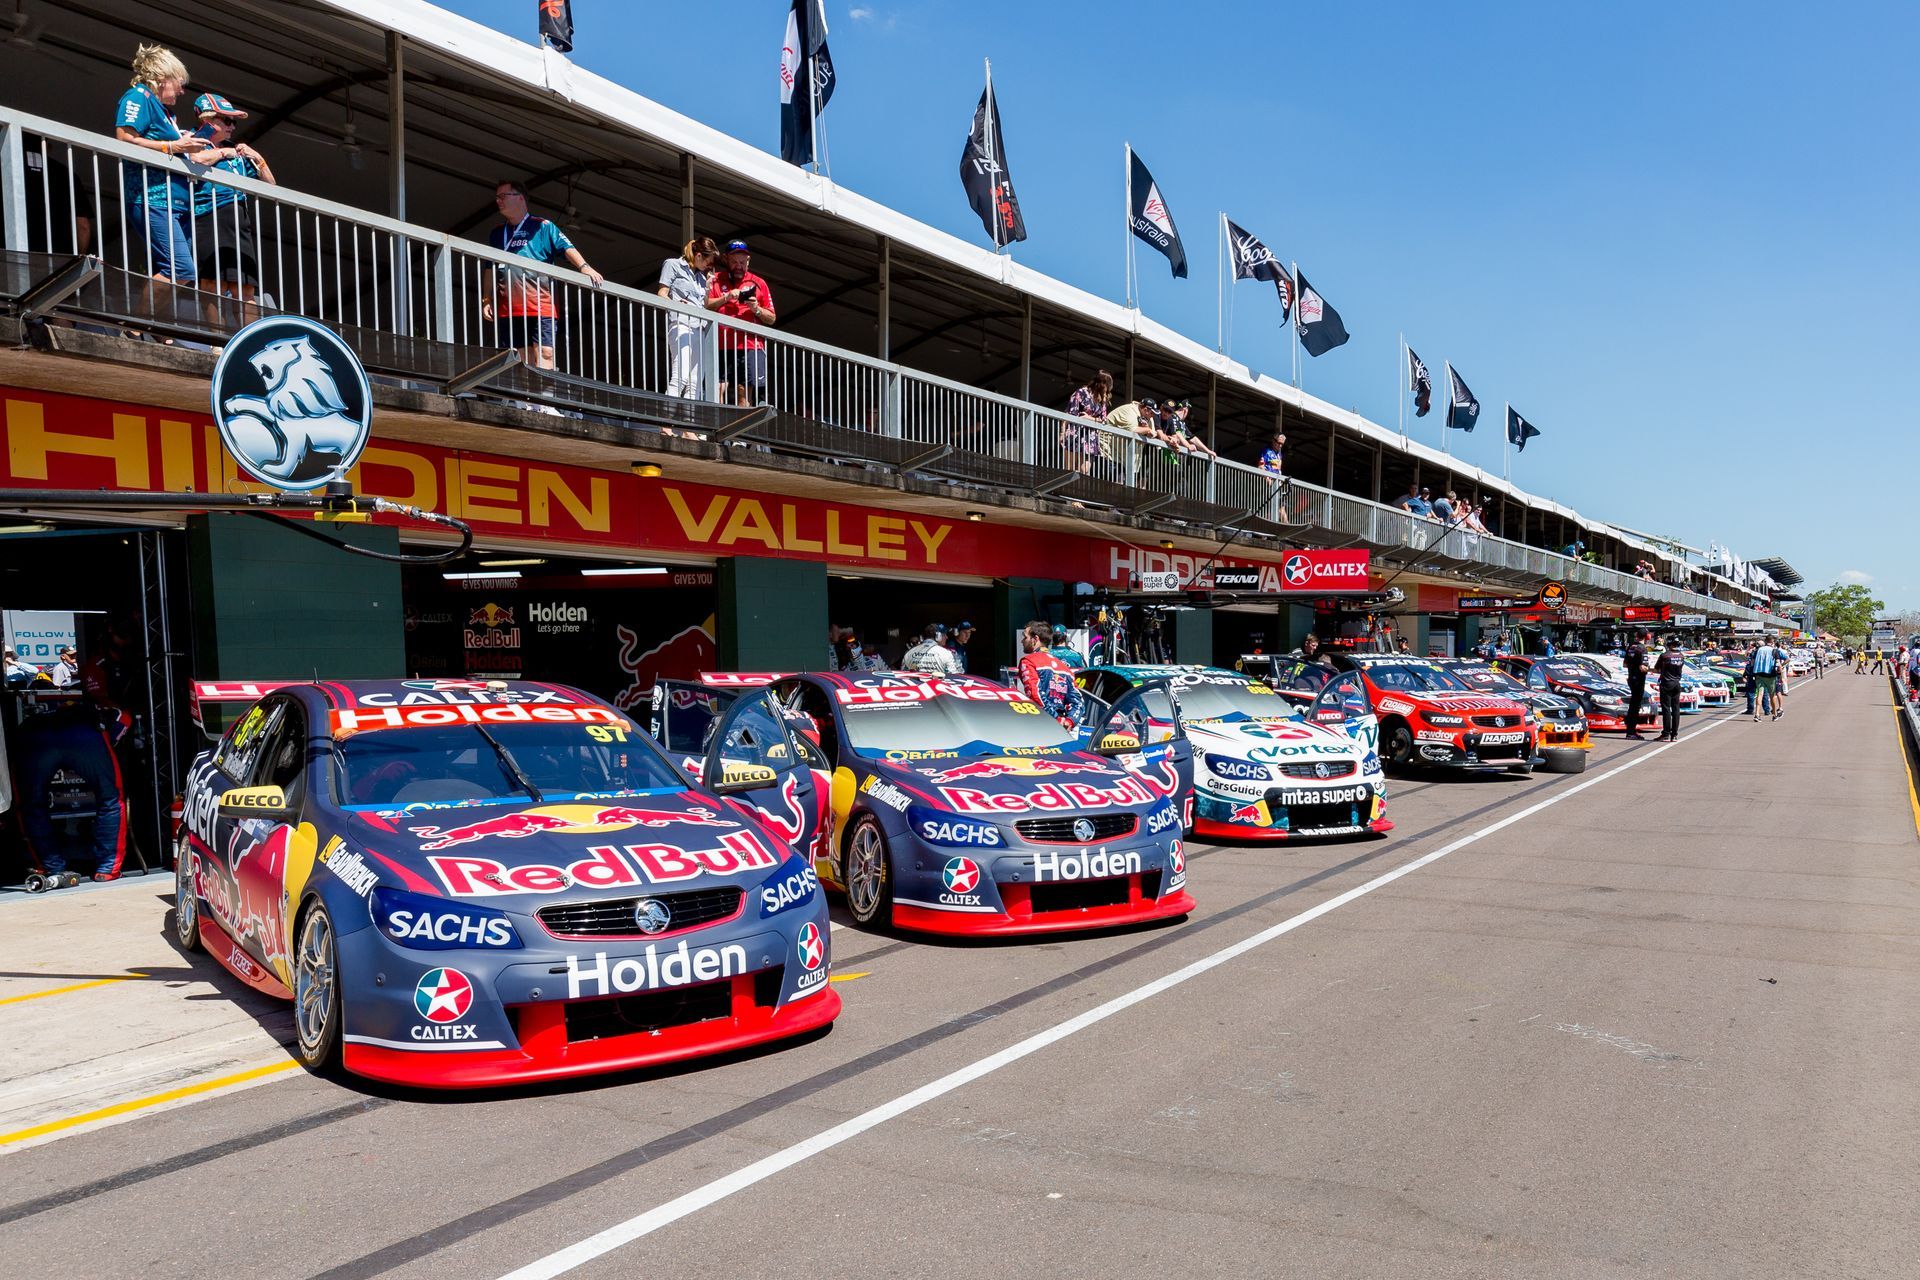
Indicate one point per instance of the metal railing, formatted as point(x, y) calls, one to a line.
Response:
point(67, 191)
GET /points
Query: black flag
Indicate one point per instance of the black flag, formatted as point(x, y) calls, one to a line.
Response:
point(1319, 324)
point(1519, 430)
point(556, 24)
point(983, 172)
point(1151, 221)
point(1254, 261)
point(1420, 382)
point(803, 54)
point(1462, 409)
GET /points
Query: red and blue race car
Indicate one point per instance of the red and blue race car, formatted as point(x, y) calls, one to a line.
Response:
point(953, 805)
point(464, 883)
point(1428, 716)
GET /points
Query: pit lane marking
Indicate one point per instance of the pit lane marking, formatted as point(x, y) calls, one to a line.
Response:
point(849, 977)
point(73, 986)
point(641, 1225)
point(252, 1075)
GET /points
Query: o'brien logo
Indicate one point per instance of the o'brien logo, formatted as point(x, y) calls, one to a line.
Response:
point(292, 403)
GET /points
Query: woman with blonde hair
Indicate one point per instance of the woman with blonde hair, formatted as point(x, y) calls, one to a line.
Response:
point(159, 200)
point(685, 279)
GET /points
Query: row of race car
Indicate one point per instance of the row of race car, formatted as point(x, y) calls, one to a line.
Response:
point(468, 882)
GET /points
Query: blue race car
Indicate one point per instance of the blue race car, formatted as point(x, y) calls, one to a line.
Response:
point(957, 806)
point(465, 882)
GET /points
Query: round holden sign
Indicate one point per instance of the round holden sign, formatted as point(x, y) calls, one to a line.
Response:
point(292, 403)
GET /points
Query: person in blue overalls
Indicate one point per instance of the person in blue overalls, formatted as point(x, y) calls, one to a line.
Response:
point(71, 740)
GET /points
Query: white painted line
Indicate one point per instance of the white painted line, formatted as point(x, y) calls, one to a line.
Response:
point(604, 1242)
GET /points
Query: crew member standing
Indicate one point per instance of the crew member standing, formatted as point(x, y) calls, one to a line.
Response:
point(1636, 660)
point(1668, 668)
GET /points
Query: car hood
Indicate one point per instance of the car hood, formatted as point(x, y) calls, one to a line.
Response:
point(1273, 740)
point(1451, 702)
point(620, 846)
point(1063, 782)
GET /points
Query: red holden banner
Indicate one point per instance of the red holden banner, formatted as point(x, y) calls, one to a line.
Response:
point(71, 442)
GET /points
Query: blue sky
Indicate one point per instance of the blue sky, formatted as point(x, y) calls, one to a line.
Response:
point(1678, 237)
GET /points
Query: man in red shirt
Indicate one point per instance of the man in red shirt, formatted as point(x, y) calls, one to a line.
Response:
point(736, 292)
point(1046, 679)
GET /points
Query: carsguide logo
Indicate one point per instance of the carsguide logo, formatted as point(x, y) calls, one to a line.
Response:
point(443, 995)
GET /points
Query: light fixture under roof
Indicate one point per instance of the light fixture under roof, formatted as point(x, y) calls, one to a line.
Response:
point(509, 564)
point(633, 571)
point(492, 574)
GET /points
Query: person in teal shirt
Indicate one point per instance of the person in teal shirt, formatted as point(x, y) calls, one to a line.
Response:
point(159, 199)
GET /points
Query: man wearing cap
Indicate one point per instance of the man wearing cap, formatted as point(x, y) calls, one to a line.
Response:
point(1178, 412)
point(66, 671)
point(931, 656)
point(523, 300)
point(961, 638)
point(739, 294)
point(223, 230)
point(1063, 649)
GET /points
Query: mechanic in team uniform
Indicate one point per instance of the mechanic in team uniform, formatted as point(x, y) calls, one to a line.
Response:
point(931, 656)
point(1046, 679)
point(1636, 660)
point(72, 740)
point(1668, 668)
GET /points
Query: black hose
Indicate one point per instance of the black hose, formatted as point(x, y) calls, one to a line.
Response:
point(438, 557)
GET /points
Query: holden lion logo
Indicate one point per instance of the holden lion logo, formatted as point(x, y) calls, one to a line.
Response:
point(652, 915)
point(1082, 830)
point(292, 402)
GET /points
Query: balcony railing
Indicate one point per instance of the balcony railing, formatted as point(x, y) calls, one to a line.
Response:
point(345, 266)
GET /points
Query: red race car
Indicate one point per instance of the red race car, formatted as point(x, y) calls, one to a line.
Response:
point(1429, 716)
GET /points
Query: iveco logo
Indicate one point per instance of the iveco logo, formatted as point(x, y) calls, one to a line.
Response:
point(1295, 569)
point(1082, 830)
point(292, 403)
point(652, 915)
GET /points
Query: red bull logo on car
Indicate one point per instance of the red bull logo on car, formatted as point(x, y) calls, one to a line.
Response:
point(1052, 797)
point(604, 867)
point(566, 819)
point(1013, 767)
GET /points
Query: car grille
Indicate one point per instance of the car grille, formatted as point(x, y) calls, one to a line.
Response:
point(1106, 826)
point(1304, 819)
point(1334, 769)
point(649, 1011)
point(613, 917)
point(1502, 721)
point(1073, 895)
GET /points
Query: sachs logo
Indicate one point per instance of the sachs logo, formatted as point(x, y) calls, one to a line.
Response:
point(292, 403)
point(443, 995)
point(812, 951)
point(960, 875)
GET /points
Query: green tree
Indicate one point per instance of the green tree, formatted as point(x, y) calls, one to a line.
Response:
point(1847, 609)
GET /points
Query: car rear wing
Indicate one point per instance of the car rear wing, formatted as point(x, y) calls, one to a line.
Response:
point(741, 679)
point(217, 703)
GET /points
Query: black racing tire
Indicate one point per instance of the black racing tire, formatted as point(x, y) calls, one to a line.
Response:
point(1397, 738)
point(317, 997)
point(1565, 760)
point(867, 873)
point(186, 903)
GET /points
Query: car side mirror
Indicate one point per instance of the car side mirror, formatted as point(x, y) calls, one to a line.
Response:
point(742, 777)
point(254, 802)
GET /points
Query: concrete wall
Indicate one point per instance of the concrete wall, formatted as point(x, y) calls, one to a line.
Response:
point(772, 614)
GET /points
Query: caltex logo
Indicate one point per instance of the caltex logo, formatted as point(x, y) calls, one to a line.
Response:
point(443, 995)
point(1178, 860)
point(1295, 569)
point(962, 875)
point(813, 951)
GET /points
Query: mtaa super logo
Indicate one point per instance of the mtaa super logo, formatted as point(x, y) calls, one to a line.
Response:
point(443, 995)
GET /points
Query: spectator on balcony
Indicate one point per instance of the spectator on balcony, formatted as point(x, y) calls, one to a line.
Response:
point(223, 226)
point(1178, 423)
point(737, 293)
point(1273, 457)
point(687, 279)
point(1576, 549)
point(522, 306)
point(1079, 443)
point(1443, 507)
point(159, 201)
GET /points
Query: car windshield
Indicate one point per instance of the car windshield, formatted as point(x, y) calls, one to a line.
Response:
point(1231, 701)
point(942, 723)
point(1480, 676)
point(455, 763)
point(1302, 677)
point(1576, 669)
point(1413, 677)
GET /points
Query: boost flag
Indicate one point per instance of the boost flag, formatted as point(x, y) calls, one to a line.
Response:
point(1519, 431)
point(802, 55)
point(983, 172)
point(1151, 221)
point(1462, 409)
point(1318, 323)
point(1420, 382)
point(1254, 261)
point(556, 24)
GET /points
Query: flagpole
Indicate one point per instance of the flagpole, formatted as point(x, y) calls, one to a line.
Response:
point(1506, 434)
point(1127, 219)
point(993, 161)
point(1405, 370)
point(813, 87)
point(1446, 428)
point(1220, 284)
point(1295, 326)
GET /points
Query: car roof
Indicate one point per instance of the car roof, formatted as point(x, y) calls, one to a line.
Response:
point(349, 693)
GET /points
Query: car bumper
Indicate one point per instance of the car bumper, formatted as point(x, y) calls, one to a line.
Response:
point(1469, 751)
point(545, 1052)
point(1272, 818)
point(1021, 918)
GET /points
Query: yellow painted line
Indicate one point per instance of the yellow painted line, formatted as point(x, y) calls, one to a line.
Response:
point(848, 977)
point(77, 986)
point(152, 1100)
point(1900, 740)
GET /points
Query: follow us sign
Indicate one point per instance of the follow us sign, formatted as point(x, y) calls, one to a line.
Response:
point(38, 636)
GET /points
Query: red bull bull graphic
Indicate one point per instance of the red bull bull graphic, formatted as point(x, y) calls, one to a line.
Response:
point(1015, 767)
point(567, 819)
point(1255, 813)
point(604, 867)
point(682, 656)
point(1051, 797)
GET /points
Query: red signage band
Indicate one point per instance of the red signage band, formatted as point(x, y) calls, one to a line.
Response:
point(73, 442)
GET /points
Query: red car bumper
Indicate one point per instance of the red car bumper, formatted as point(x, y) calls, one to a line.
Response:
point(1207, 828)
point(546, 1054)
point(1020, 917)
